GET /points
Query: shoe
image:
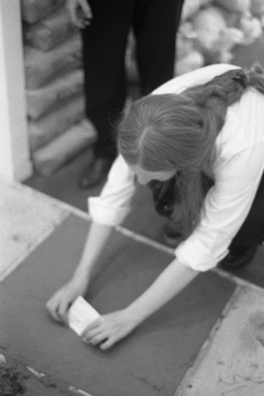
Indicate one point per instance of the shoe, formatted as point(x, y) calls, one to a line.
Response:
point(96, 172)
point(165, 196)
point(237, 258)
point(172, 235)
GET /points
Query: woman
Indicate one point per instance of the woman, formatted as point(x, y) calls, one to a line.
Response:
point(206, 124)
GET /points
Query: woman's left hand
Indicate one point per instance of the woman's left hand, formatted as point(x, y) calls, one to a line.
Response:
point(109, 328)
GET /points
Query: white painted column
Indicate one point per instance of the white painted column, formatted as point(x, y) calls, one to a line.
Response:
point(15, 161)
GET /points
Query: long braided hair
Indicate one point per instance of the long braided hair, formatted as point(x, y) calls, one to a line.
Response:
point(178, 131)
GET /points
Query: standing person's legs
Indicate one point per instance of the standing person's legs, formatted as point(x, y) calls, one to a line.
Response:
point(155, 26)
point(104, 47)
point(250, 235)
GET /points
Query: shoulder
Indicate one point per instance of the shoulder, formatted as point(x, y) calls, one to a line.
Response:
point(197, 77)
point(245, 119)
point(243, 128)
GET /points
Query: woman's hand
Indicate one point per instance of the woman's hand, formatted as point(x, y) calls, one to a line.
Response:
point(80, 12)
point(60, 302)
point(109, 328)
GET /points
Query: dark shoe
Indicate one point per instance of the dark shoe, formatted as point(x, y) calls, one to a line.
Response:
point(165, 196)
point(237, 258)
point(96, 172)
point(172, 234)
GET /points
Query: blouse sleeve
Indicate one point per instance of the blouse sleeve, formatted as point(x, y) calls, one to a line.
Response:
point(226, 206)
point(113, 204)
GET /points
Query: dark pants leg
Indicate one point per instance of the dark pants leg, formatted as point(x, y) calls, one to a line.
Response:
point(251, 232)
point(155, 25)
point(104, 46)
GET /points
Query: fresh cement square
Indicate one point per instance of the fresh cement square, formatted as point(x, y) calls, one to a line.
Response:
point(151, 361)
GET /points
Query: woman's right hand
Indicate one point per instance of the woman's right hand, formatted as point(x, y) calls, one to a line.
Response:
point(60, 302)
point(80, 12)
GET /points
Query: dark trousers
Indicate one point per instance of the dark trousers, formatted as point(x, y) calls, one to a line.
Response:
point(251, 233)
point(154, 23)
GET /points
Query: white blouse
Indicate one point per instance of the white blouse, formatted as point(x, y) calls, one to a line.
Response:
point(237, 171)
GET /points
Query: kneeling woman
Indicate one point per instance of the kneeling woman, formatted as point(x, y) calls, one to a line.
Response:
point(210, 123)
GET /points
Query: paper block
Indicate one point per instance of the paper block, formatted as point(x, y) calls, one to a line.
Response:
point(80, 315)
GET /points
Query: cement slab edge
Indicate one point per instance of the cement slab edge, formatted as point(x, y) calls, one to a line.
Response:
point(64, 214)
point(232, 356)
point(17, 262)
point(182, 389)
point(17, 373)
point(125, 231)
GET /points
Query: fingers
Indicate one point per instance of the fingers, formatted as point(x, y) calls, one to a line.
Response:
point(52, 310)
point(100, 338)
point(92, 331)
point(57, 309)
point(95, 333)
point(99, 333)
point(62, 311)
point(87, 11)
point(108, 343)
point(96, 339)
point(80, 12)
point(71, 6)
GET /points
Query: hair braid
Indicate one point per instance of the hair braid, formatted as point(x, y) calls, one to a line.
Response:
point(214, 97)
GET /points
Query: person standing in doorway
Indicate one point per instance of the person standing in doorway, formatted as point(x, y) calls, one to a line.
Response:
point(106, 25)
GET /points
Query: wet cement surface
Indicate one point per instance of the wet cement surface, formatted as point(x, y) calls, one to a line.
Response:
point(151, 361)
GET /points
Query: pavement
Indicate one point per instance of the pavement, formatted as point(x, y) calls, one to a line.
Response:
point(209, 340)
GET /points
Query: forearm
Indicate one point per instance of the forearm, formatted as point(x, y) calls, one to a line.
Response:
point(97, 239)
point(169, 283)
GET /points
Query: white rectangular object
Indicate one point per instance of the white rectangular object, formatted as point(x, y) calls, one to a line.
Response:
point(80, 315)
